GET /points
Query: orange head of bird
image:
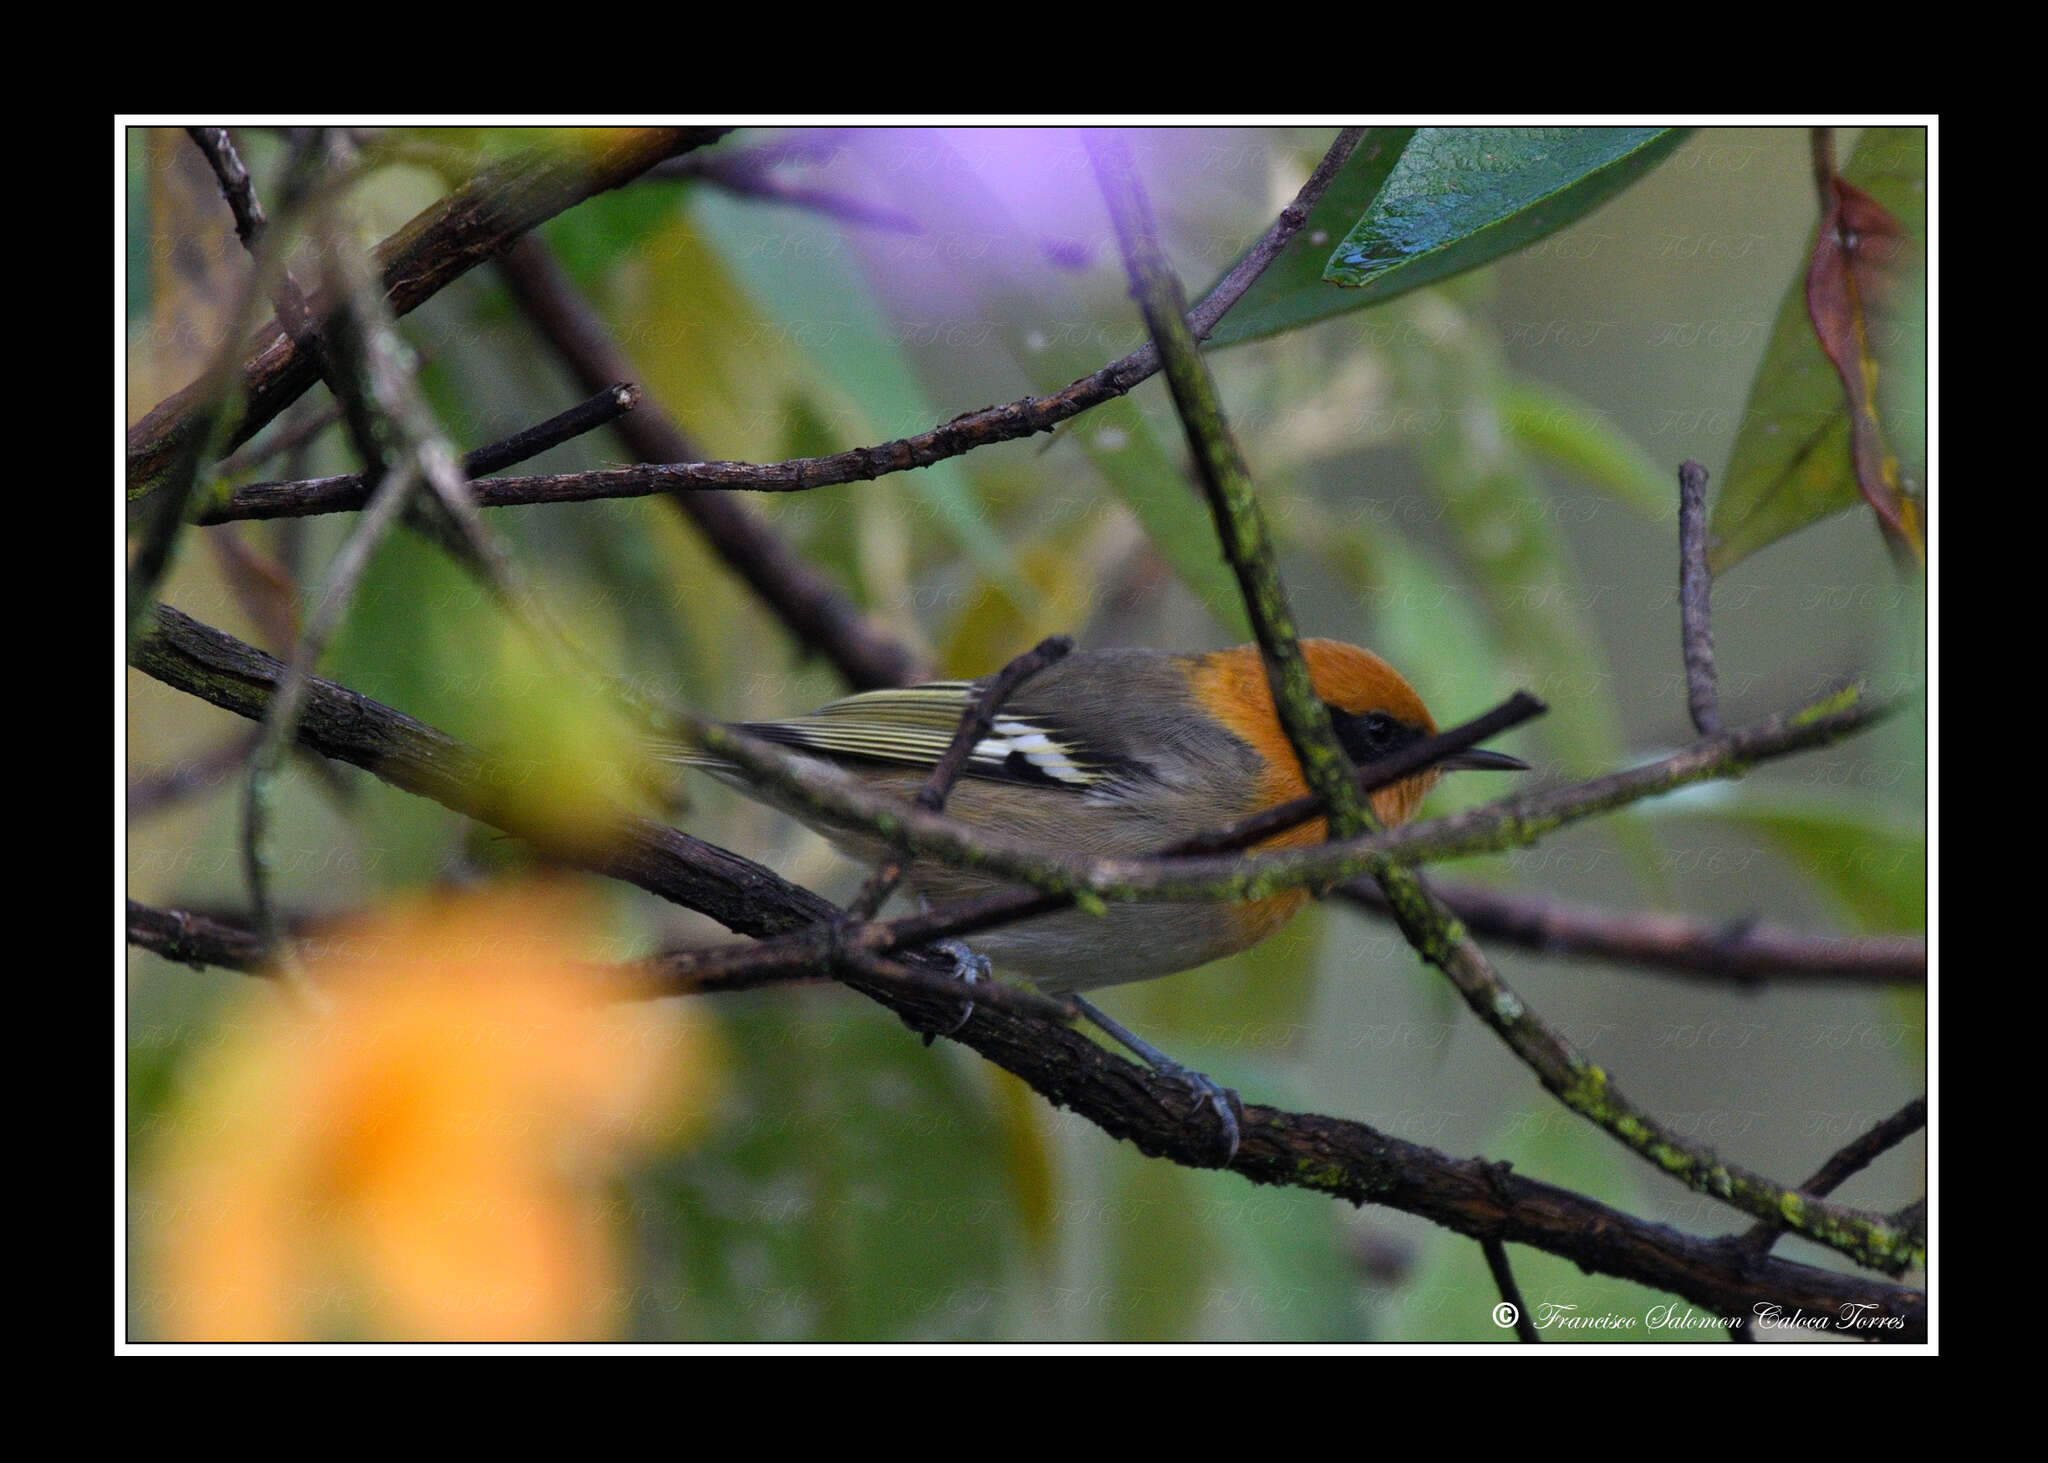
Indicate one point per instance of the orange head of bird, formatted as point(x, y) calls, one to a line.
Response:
point(1373, 708)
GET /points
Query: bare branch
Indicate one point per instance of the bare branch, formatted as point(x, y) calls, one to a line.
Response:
point(1838, 1170)
point(226, 162)
point(1695, 587)
point(598, 410)
point(1822, 144)
point(991, 424)
point(1744, 954)
point(196, 939)
point(1510, 1293)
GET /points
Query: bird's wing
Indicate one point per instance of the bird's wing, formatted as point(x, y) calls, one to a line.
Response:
point(914, 725)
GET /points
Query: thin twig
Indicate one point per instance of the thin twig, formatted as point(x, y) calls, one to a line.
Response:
point(1822, 142)
point(251, 224)
point(1510, 1293)
point(1742, 953)
point(1695, 590)
point(220, 154)
point(596, 411)
point(294, 314)
point(1845, 1164)
point(600, 409)
point(1343, 1159)
point(197, 938)
point(964, 433)
point(974, 725)
point(1417, 756)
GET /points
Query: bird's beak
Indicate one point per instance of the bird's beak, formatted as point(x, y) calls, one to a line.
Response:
point(1478, 759)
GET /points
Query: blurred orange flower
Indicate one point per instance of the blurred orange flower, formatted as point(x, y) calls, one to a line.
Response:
point(425, 1158)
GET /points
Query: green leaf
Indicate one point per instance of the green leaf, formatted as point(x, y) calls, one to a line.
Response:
point(1573, 437)
point(1291, 292)
point(1419, 205)
point(1463, 196)
point(1791, 462)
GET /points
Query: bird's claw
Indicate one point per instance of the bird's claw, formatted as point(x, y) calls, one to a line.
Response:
point(1206, 1091)
point(968, 967)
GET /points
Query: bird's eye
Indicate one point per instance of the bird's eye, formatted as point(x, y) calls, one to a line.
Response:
point(1370, 736)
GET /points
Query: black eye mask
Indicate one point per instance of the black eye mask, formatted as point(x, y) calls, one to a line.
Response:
point(1372, 736)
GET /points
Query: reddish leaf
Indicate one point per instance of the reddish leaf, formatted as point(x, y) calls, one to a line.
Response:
point(1857, 259)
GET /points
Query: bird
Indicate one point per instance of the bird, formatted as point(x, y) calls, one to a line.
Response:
point(1112, 753)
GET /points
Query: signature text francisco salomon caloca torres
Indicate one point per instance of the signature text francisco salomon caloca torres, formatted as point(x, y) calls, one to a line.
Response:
point(1854, 1316)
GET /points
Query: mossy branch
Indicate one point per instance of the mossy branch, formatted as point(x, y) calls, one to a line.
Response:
point(1227, 483)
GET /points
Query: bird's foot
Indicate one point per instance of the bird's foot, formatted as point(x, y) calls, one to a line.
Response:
point(968, 968)
point(1205, 1091)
